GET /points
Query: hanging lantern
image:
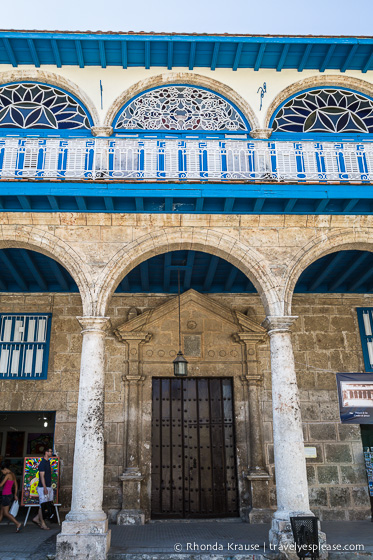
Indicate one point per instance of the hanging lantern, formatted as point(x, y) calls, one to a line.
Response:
point(180, 363)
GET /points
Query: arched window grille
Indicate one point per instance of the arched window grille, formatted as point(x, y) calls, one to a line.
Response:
point(180, 108)
point(325, 110)
point(30, 105)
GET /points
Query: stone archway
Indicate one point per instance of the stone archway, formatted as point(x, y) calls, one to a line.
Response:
point(246, 259)
point(35, 239)
point(319, 247)
point(317, 81)
point(181, 78)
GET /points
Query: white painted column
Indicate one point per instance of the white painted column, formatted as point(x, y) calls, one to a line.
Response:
point(290, 462)
point(85, 532)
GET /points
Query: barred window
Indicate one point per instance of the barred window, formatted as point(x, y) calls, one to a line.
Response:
point(24, 345)
point(365, 318)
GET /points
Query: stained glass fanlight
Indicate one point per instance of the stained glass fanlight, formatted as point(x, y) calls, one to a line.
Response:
point(180, 108)
point(326, 110)
point(40, 106)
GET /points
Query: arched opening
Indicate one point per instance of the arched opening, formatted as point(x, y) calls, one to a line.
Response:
point(190, 425)
point(333, 297)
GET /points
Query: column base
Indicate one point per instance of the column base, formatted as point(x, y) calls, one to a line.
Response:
point(83, 540)
point(281, 535)
point(131, 517)
point(260, 515)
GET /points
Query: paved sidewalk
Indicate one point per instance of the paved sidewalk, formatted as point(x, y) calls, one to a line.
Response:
point(157, 540)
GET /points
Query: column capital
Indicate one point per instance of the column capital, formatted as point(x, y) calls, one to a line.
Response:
point(102, 131)
point(278, 324)
point(94, 324)
point(261, 133)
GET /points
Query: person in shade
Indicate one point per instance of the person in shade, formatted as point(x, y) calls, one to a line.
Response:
point(10, 492)
point(45, 489)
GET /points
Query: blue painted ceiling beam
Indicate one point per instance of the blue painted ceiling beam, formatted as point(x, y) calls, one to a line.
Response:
point(326, 272)
point(101, 46)
point(192, 55)
point(214, 261)
point(259, 57)
point(56, 53)
point(3, 286)
point(109, 204)
point(349, 58)
point(350, 205)
point(79, 53)
point(367, 66)
point(124, 54)
point(53, 202)
point(290, 205)
point(230, 280)
point(258, 205)
point(168, 204)
point(10, 52)
point(139, 201)
point(167, 272)
point(283, 56)
point(360, 281)
point(170, 55)
point(24, 202)
point(147, 55)
point(34, 54)
point(327, 58)
point(343, 277)
point(144, 275)
point(189, 270)
point(237, 56)
point(305, 57)
point(321, 206)
point(125, 284)
point(17, 275)
point(81, 203)
point(37, 274)
point(215, 55)
point(228, 204)
point(57, 272)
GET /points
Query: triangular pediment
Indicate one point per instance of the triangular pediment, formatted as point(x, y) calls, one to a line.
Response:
point(145, 321)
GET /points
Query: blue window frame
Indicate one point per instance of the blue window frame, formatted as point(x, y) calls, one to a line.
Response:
point(24, 345)
point(365, 318)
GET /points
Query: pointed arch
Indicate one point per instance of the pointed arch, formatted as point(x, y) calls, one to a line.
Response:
point(317, 81)
point(181, 78)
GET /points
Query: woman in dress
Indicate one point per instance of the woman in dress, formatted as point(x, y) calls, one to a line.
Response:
point(10, 490)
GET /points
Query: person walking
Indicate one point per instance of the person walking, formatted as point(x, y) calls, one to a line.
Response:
point(10, 490)
point(45, 489)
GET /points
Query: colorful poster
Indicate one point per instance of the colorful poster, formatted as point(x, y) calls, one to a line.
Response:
point(30, 480)
point(355, 392)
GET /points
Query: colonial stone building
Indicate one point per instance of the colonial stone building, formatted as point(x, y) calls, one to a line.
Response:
point(243, 164)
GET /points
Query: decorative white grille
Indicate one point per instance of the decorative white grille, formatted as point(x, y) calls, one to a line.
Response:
point(326, 110)
point(30, 105)
point(180, 107)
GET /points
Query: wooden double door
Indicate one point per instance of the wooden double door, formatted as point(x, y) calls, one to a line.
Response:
point(194, 470)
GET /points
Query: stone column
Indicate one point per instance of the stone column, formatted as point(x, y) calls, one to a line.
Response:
point(85, 533)
point(257, 475)
point(131, 512)
point(290, 462)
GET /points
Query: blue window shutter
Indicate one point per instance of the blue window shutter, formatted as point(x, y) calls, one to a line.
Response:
point(365, 318)
point(24, 345)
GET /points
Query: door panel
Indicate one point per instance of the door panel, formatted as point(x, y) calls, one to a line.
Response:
point(193, 448)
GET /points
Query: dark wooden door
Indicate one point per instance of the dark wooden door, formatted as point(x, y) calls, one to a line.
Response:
point(193, 448)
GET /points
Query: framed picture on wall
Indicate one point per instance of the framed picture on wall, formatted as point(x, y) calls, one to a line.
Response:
point(14, 444)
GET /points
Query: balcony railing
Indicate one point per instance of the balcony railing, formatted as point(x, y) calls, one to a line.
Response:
point(184, 160)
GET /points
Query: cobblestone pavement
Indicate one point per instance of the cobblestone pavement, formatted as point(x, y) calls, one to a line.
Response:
point(159, 539)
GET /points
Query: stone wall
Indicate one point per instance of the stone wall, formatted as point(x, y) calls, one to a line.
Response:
point(325, 340)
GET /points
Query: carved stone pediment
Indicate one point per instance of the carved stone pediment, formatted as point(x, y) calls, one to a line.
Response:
point(152, 317)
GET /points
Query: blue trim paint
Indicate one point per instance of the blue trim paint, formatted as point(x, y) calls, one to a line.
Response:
point(363, 338)
point(179, 132)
